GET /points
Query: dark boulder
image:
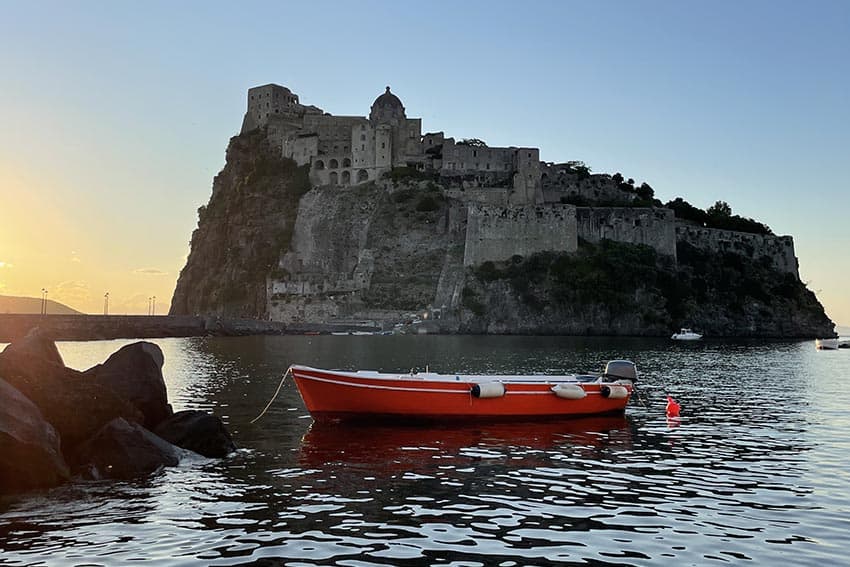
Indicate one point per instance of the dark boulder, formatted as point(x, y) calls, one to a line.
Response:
point(134, 372)
point(197, 431)
point(36, 344)
point(73, 404)
point(30, 455)
point(122, 450)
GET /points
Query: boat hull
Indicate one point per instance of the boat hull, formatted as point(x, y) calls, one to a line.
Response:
point(332, 396)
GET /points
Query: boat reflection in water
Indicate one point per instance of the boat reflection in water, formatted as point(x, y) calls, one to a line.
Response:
point(398, 448)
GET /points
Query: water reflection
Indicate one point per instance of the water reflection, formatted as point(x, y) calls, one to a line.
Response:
point(399, 448)
point(754, 470)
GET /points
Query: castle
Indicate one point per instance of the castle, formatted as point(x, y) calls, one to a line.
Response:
point(347, 150)
point(506, 203)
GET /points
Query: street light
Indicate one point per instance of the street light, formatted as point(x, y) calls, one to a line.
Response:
point(153, 306)
point(43, 301)
point(106, 303)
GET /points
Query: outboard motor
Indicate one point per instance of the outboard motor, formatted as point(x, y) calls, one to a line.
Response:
point(620, 370)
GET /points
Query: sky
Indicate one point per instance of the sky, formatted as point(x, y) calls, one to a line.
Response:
point(114, 116)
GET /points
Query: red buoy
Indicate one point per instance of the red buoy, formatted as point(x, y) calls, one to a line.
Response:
point(673, 407)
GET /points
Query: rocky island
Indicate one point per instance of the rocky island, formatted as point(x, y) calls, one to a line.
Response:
point(318, 218)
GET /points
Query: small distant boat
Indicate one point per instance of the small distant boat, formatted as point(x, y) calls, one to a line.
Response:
point(333, 395)
point(827, 344)
point(686, 334)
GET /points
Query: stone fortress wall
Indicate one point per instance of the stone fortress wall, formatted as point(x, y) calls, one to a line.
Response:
point(778, 250)
point(649, 226)
point(499, 233)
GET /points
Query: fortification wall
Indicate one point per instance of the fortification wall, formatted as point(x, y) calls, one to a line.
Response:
point(498, 233)
point(649, 226)
point(560, 182)
point(779, 250)
point(498, 196)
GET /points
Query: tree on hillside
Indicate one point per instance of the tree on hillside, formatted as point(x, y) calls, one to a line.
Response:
point(684, 210)
point(719, 215)
point(580, 168)
point(719, 210)
point(645, 192)
point(474, 142)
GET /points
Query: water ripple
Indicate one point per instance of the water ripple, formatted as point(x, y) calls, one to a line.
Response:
point(754, 471)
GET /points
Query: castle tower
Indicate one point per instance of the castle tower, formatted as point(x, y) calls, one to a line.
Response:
point(266, 102)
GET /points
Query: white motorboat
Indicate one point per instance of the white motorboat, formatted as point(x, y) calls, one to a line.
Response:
point(685, 334)
point(827, 344)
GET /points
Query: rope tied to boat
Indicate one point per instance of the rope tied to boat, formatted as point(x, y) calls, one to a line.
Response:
point(274, 397)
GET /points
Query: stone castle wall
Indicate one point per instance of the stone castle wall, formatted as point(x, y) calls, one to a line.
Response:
point(498, 233)
point(648, 226)
point(779, 250)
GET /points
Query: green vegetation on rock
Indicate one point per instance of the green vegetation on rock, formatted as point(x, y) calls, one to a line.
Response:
point(617, 288)
point(718, 215)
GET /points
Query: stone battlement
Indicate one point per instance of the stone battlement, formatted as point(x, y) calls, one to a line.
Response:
point(778, 250)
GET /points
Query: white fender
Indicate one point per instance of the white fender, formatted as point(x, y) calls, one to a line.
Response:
point(569, 391)
point(488, 390)
point(614, 391)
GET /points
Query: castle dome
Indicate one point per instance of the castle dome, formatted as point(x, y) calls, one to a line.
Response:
point(387, 99)
point(387, 107)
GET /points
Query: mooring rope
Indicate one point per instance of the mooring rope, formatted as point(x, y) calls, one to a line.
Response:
point(274, 397)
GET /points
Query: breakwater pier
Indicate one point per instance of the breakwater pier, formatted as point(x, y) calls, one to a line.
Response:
point(92, 327)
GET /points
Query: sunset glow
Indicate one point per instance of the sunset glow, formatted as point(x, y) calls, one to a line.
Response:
point(116, 125)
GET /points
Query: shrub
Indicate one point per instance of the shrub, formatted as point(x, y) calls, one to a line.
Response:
point(427, 203)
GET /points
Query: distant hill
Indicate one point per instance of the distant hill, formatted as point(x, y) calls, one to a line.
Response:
point(10, 304)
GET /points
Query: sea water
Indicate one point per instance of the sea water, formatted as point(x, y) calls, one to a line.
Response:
point(755, 470)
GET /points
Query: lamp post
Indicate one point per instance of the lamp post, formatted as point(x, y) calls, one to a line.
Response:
point(43, 301)
point(153, 306)
point(106, 303)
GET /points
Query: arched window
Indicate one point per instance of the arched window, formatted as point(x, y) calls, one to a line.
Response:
point(333, 164)
point(319, 164)
point(362, 176)
point(334, 178)
point(346, 177)
point(346, 162)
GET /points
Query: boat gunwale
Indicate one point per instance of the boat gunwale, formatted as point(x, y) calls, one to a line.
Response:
point(465, 379)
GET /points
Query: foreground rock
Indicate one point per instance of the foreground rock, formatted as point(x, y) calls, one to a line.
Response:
point(73, 404)
point(97, 421)
point(30, 455)
point(197, 431)
point(123, 450)
point(36, 344)
point(134, 372)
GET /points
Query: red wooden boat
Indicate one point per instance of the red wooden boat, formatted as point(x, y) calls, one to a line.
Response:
point(342, 395)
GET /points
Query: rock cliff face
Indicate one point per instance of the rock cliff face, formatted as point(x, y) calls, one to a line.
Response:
point(241, 232)
point(270, 246)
